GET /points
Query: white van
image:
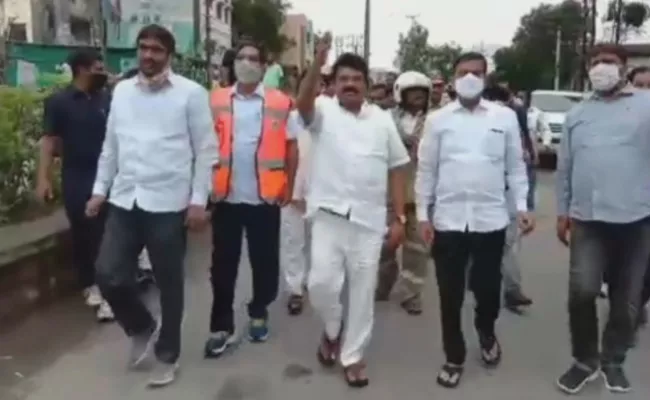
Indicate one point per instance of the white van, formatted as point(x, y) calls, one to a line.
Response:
point(555, 104)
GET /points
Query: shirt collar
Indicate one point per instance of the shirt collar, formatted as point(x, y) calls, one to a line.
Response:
point(259, 91)
point(366, 109)
point(456, 106)
point(627, 91)
point(156, 82)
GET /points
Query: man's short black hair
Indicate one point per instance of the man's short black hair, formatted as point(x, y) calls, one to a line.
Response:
point(610, 48)
point(250, 43)
point(159, 33)
point(638, 70)
point(471, 56)
point(83, 59)
point(352, 61)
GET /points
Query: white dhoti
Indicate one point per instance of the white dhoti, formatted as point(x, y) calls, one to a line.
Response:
point(294, 249)
point(341, 249)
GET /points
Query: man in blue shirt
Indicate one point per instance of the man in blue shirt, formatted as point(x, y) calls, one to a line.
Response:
point(75, 123)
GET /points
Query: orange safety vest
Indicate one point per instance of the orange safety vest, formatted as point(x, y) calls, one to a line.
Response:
point(271, 148)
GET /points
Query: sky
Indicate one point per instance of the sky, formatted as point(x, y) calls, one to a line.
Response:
point(466, 22)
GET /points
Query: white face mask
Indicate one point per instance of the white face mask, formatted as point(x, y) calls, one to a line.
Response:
point(247, 71)
point(604, 77)
point(469, 86)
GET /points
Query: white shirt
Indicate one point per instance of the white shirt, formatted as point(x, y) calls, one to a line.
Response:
point(538, 127)
point(351, 157)
point(160, 147)
point(465, 160)
point(301, 184)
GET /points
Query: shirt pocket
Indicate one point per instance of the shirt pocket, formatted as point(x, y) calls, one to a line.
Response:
point(493, 144)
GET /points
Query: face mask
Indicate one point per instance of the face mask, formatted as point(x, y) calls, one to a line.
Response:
point(604, 77)
point(98, 81)
point(469, 86)
point(247, 72)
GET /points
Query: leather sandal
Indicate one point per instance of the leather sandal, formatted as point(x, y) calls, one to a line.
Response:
point(355, 375)
point(328, 351)
point(295, 304)
point(490, 350)
point(449, 376)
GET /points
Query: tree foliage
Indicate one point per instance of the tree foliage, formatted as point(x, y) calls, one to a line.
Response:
point(260, 20)
point(529, 62)
point(416, 54)
point(626, 16)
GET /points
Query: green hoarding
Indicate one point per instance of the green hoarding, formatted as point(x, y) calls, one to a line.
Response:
point(35, 64)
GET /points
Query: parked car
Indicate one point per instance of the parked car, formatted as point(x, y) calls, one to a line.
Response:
point(555, 104)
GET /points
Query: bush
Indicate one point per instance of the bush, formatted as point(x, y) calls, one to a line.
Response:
point(21, 116)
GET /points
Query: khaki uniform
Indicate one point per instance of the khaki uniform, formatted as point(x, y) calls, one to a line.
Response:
point(411, 274)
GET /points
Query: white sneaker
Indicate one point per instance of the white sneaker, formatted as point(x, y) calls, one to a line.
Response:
point(105, 313)
point(162, 374)
point(143, 261)
point(93, 296)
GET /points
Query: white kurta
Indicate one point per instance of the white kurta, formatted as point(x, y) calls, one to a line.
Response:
point(294, 230)
point(351, 157)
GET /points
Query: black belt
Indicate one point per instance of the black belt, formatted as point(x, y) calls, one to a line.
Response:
point(336, 214)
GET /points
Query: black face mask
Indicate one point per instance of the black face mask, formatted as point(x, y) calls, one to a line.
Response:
point(97, 81)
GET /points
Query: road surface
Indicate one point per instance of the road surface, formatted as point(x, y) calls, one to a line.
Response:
point(61, 354)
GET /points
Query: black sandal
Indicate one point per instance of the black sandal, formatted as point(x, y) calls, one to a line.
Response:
point(490, 350)
point(449, 375)
point(328, 352)
point(295, 304)
point(355, 375)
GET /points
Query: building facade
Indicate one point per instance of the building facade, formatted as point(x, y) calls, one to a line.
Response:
point(300, 32)
point(188, 20)
point(64, 22)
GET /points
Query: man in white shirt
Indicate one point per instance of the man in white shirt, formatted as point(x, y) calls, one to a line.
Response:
point(294, 231)
point(355, 146)
point(471, 151)
point(156, 162)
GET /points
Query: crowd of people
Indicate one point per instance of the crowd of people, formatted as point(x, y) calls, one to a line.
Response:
point(329, 182)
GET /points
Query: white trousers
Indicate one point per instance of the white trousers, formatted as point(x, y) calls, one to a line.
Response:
point(294, 249)
point(342, 249)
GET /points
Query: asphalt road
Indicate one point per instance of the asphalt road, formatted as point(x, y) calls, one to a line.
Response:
point(61, 354)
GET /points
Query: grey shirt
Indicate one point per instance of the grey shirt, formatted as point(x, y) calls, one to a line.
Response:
point(603, 169)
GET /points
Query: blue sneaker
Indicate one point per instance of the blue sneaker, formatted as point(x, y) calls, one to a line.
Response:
point(217, 344)
point(258, 330)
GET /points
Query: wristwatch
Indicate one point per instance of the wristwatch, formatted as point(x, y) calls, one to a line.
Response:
point(401, 219)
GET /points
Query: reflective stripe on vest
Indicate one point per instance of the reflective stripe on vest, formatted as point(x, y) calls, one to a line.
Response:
point(271, 149)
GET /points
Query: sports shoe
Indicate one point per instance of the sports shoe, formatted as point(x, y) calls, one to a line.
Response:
point(162, 374)
point(258, 330)
point(105, 313)
point(217, 344)
point(576, 377)
point(615, 379)
point(93, 296)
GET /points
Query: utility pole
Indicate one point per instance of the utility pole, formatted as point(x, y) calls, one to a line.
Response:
point(582, 76)
point(618, 21)
point(558, 50)
point(208, 44)
point(196, 19)
point(103, 18)
point(366, 34)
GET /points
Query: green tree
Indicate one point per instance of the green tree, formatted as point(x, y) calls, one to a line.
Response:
point(626, 16)
point(260, 20)
point(416, 54)
point(529, 62)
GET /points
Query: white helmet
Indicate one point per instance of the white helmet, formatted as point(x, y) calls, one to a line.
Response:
point(410, 80)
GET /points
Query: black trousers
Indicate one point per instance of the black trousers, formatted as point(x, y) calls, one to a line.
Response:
point(86, 234)
point(165, 236)
point(452, 252)
point(262, 226)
